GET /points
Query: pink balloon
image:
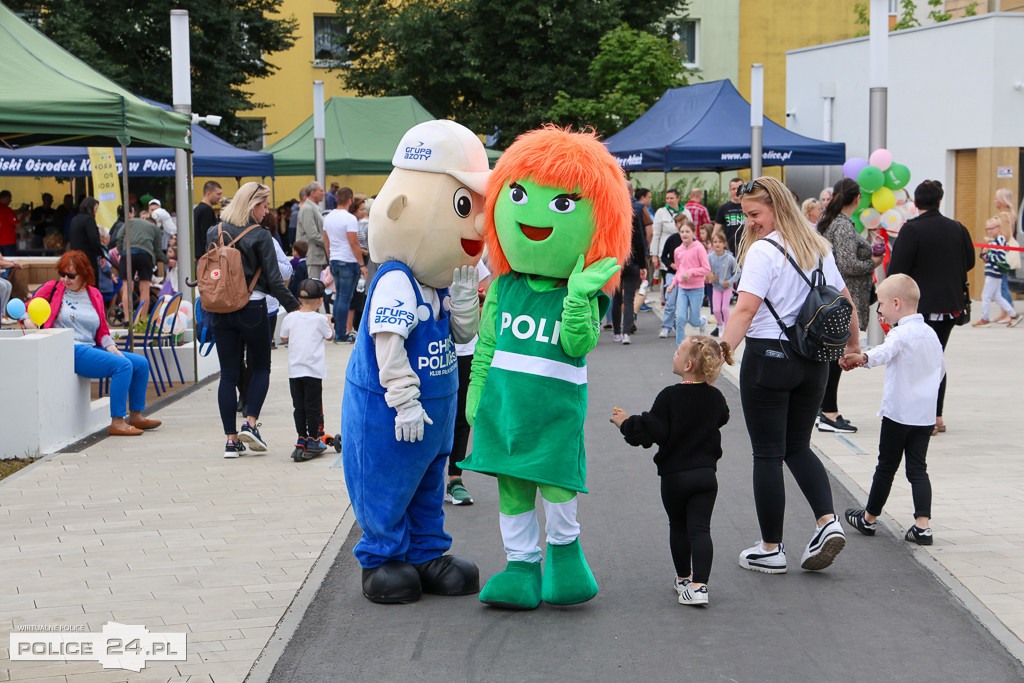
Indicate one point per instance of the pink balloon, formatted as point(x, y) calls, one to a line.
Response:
point(881, 159)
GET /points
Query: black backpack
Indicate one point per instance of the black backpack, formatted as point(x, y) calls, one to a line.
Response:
point(822, 326)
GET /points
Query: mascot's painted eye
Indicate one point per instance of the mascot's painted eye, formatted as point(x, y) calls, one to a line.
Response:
point(463, 202)
point(562, 204)
point(518, 194)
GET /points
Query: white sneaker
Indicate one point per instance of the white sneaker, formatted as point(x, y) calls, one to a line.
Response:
point(625, 339)
point(827, 542)
point(760, 560)
point(680, 584)
point(663, 334)
point(694, 596)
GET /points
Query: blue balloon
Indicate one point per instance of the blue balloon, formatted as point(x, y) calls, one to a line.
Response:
point(16, 308)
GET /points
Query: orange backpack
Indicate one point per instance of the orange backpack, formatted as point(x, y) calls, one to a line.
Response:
point(220, 277)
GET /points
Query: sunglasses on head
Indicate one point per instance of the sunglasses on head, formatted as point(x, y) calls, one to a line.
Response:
point(749, 187)
point(70, 276)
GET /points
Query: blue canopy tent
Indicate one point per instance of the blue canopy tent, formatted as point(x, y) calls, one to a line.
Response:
point(706, 127)
point(212, 157)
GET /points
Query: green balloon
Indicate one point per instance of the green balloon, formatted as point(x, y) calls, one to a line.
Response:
point(897, 176)
point(856, 219)
point(865, 201)
point(870, 179)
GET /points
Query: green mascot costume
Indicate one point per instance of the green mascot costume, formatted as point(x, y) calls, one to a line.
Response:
point(557, 227)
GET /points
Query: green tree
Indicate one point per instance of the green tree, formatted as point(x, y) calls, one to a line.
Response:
point(906, 17)
point(632, 70)
point(130, 43)
point(495, 66)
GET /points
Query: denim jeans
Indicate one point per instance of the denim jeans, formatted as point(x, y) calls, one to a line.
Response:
point(668, 320)
point(688, 303)
point(128, 373)
point(247, 325)
point(346, 276)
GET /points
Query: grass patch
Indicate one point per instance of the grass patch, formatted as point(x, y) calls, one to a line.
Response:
point(9, 467)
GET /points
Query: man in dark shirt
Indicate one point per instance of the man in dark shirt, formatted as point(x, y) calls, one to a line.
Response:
point(203, 215)
point(730, 218)
point(43, 216)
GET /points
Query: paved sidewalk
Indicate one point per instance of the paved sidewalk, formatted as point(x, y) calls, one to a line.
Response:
point(161, 531)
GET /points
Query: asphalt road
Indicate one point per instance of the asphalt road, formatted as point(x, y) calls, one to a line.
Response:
point(876, 614)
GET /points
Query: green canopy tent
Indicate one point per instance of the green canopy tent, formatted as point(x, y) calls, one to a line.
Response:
point(52, 97)
point(362, 134)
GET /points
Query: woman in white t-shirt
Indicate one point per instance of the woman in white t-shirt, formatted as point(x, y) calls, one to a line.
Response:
point(781, 391)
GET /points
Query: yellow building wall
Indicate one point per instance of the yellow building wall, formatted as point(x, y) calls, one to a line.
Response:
point(770, 27)
point(287, 99)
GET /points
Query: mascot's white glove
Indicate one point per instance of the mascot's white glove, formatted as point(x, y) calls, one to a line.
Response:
point(465, 303)
point(463, 291)
point(409, 424)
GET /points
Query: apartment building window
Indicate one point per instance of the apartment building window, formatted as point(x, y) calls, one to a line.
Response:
point(686, 34)
point(328, 50)
point(894, 8)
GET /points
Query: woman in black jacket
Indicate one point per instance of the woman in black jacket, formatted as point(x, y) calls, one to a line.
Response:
point(84, 234)
point(248, 325)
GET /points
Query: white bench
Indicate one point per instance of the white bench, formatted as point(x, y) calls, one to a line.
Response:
point(44, 405)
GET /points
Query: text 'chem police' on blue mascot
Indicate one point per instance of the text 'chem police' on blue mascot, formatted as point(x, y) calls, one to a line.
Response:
point(398, 413)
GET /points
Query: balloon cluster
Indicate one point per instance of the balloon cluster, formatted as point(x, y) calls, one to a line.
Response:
point(38, 310)
point(883, 201)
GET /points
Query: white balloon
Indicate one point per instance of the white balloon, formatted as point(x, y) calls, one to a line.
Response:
point(892, 219)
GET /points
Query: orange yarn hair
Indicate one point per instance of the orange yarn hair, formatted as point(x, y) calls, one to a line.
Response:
point(579, 162)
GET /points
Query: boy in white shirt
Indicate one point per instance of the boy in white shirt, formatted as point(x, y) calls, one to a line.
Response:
point(305, 331)
point(915, 367)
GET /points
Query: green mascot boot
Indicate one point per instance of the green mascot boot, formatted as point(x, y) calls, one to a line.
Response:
point(567, 577)
point(518, 587)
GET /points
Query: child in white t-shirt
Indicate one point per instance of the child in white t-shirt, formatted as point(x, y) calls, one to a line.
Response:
point(914, 368)
point(305, 331)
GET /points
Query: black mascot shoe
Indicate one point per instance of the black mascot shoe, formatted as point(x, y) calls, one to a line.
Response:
point(449, 575)
point(391, 583)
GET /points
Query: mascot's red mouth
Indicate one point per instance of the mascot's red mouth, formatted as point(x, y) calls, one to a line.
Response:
point(472, 247)
point(534, 233)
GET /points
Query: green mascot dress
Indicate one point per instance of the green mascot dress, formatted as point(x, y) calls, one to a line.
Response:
point(527, 398)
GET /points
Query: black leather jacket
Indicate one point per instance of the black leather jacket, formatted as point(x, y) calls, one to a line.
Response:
point(257, 250)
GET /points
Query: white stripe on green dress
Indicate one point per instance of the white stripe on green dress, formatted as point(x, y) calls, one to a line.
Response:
point(542, 367)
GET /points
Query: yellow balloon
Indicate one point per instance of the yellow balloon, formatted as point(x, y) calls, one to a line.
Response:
point(39, 311)
point(883, 199)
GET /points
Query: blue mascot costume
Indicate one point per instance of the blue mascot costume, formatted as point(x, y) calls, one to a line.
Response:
point(398, 413)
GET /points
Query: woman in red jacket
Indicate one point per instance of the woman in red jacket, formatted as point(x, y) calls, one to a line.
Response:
point(76, 304)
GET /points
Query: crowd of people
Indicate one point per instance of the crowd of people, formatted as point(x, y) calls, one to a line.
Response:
point(749, 266)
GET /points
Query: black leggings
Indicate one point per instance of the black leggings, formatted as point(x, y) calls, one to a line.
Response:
point(830, 402)
point(308, 404)
point(894, 440)
point(689, 499)
point(781, 393)
point(942, 330)
point(461, 424)
point(248, 326)
point(622, 303)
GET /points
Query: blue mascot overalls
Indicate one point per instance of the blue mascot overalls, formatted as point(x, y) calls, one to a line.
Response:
point(397, 487)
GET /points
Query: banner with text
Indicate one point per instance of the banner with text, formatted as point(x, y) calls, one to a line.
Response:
point(105, 184)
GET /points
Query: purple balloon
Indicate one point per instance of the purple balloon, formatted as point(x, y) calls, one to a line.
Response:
point(853, 167)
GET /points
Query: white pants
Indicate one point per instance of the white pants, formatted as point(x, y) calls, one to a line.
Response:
point(991, 292)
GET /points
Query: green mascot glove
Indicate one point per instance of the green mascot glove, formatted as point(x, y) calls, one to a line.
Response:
point(585, 282)
point(472, 402)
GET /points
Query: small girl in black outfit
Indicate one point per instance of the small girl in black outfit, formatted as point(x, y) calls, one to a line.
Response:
point(685, 421)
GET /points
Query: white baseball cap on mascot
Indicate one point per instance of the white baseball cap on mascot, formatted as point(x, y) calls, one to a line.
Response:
point(444, 147)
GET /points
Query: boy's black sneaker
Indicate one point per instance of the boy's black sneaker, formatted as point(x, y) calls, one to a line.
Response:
point(919, 536)
point(855, 518)
point(840, 424)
